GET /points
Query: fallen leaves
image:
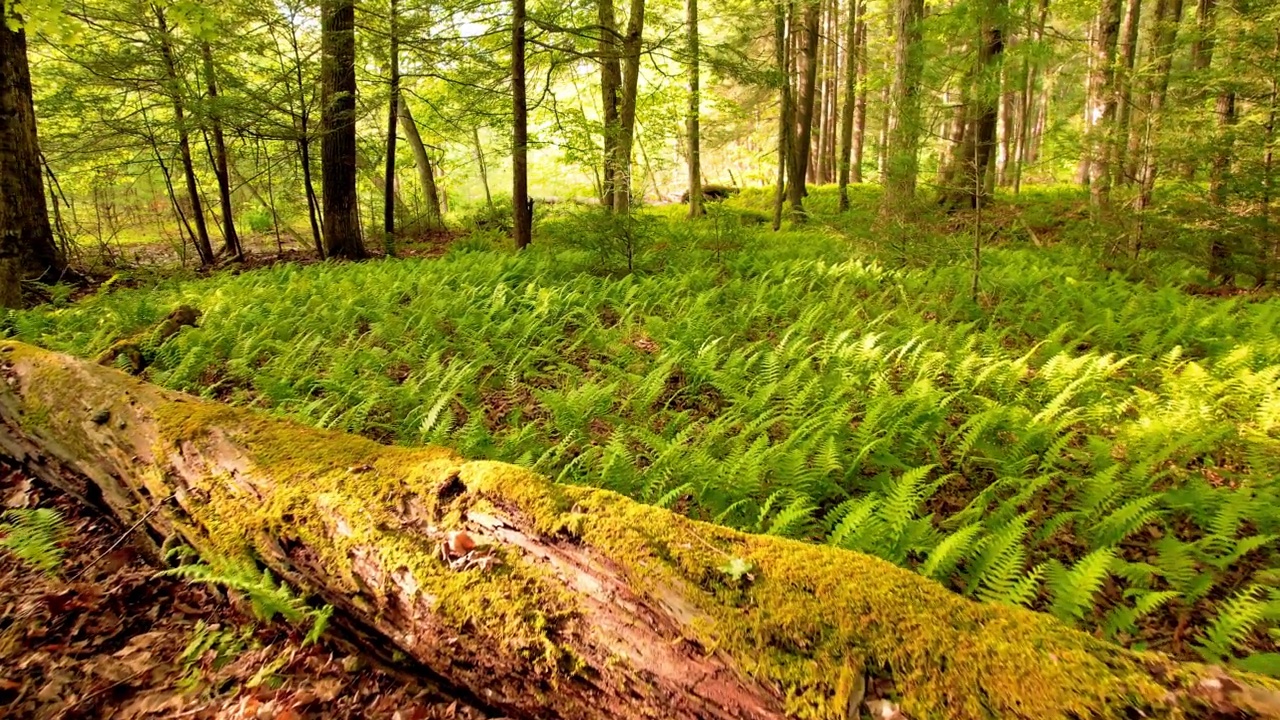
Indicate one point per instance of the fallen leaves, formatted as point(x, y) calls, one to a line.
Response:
point(122, 643)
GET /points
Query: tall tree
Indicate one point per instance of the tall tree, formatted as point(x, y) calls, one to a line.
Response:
point(786, 128)
point(1101, 110)
point(27, 248)
point(610, 86)
point(695, 101)
point(1126, 54)
point(174, 89)
point(221, 166)
point(338, 120)
point(807, 69)
point(972, 160)
point(628, 100)
point(393, 114)
point(522, 220)
point(1203, 42)
point(852, 82)
point(903, 143)
point(1168, 14)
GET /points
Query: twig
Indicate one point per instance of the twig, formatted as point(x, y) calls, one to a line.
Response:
point(119, 541)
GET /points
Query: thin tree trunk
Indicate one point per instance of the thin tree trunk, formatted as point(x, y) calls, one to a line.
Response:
point(610, 87)
point(694, 109)
point(1008, 124)
point(496, 582)
point(852, 79)
point(1126, 55)
point(860, 105)
point(304, 146)
point(1269, 247)
point(426, 175)
point(781, 43)
point(393, 113)
point(484, 167)
point(230, 239)
point(808, 69)
point(27, 249)
point(203, 248)
point(521, 209)
point(902, 153)
point(631, 46)
point(338, 146)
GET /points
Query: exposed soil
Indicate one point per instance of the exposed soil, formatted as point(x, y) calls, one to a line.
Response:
point(108, 638)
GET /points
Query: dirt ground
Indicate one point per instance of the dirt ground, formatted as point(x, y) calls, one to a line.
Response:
point(107, 638)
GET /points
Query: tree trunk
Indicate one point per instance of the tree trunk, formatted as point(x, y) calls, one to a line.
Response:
point(852, 89)
point(902, 152)
point(1102, 105)
point(860, 105)
point(695, 102)
point(338, 120)
point(521, 210)
point(537, 600)
point(393, 113)
point(230, 239)
point(426, 176)
point(203, 248)
point(27, 249)
point(610, 87)
point(781, 43)
point(807, 60)
point(630, 96)
point(1007, 122)
point(303, 119)
point(967, 186)
point(1127, 54)
point(484, 168)
point(1165, 33)
point(1202, 46)
point(1269, 247)
point(1221, 248)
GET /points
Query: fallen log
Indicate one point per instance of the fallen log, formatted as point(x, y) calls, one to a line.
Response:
point(545, 601)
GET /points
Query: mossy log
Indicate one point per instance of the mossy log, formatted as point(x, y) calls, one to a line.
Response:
point(135, 349)
point(574, 602)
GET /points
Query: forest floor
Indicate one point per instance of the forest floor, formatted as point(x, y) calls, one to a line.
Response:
point(1072, 431)
point(107, 637)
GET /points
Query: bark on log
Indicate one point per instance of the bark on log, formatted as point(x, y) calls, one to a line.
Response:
point(575, 602)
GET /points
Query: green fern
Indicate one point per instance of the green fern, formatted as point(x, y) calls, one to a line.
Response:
point(35, 537)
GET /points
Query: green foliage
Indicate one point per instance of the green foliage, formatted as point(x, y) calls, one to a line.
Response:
point(1079, 442)
point(260, 220)
point(34, 537)
point(267, 596)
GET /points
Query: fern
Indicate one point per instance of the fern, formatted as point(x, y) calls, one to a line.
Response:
point(1073, 590)
point(1236, 618)
point(267, 597)
point(35, 537)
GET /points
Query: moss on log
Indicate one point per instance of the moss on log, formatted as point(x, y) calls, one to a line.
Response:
point(574, 602)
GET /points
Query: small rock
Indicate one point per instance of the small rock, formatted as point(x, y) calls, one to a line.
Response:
point(101, 416)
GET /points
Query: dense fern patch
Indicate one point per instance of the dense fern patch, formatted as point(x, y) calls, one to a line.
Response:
point(1096, 448)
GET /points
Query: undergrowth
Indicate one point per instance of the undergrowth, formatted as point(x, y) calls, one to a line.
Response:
point(1074, 441)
